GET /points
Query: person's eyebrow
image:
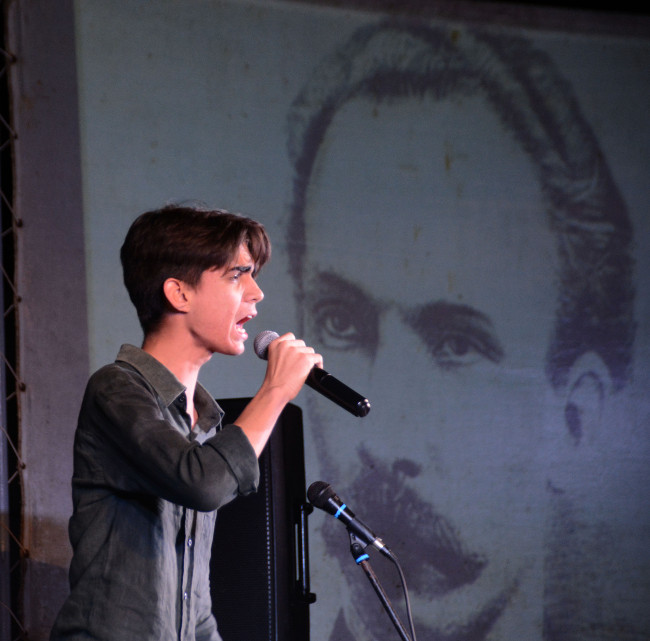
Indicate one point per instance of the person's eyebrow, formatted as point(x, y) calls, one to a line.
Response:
point(434, 321)
point(244, 269)
point(336, 283)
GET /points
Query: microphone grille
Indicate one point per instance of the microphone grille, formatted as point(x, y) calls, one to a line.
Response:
point(262, 342)
point(319, 492)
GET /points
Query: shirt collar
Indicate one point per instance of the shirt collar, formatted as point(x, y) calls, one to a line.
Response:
point(168, 387)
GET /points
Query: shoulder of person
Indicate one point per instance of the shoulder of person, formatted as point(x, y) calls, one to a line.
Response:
point(115, 376)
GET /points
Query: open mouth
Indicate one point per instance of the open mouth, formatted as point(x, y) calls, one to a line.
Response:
point(240, 325)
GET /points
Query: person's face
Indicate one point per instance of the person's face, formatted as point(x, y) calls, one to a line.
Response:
point(221, 303)
point(428, 283)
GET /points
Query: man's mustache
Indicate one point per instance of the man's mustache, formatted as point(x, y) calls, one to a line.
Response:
point(428, 546)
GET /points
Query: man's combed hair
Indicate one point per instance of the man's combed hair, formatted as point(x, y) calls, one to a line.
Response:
point(393, 60)
point(183, 242)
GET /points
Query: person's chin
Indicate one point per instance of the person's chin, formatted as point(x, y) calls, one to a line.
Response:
point(237, 344)
point(239, 348)
point(465, 614)
point(232, 348)
point(470, 626)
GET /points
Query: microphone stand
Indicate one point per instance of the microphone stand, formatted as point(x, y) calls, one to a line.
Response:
point(361, 558)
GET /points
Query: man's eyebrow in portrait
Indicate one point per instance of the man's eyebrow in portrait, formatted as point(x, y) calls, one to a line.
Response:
point(453, 332)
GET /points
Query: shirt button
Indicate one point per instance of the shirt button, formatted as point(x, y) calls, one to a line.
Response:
point(190, 542)
point(185, 596)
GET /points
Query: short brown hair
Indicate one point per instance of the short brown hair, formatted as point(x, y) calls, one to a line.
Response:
point(183, 242)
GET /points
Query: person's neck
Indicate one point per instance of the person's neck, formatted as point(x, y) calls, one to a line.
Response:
point(177, 356)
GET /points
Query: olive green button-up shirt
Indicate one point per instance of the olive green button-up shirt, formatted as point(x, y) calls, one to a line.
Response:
point(145, 489)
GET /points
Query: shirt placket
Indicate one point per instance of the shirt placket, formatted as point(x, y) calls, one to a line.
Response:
point(187, 620)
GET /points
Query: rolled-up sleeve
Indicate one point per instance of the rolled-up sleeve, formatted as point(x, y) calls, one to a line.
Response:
point(130, 441)
point(237, 450)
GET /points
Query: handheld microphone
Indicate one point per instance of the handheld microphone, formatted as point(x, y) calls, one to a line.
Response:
point(321, 495)
point(320, 380)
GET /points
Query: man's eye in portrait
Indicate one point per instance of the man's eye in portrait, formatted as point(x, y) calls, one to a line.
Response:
point(343, 316)
point(456, 350)
point(343, 324)
point(456, 335)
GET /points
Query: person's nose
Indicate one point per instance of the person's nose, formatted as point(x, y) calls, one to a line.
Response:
point(401, 364)
point(254, 293)
point(404, 389)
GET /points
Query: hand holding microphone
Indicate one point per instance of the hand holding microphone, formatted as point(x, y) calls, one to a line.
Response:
point(320, 380)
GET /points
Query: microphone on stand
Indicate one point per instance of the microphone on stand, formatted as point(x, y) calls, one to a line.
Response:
point(321, 495)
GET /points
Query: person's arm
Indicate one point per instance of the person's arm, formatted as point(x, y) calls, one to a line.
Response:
point(289, 363)
point(126, 442)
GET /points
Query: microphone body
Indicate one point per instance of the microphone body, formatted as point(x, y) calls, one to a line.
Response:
point(321, 495)
point(320, 380)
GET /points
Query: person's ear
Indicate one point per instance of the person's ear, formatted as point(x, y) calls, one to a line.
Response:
point(176, 293)
point(588, 387)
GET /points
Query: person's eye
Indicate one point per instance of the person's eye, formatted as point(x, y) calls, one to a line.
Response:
point(339, 325)
point(458, 349)
point(456, 335)
point(335, 325)
point(236, 275)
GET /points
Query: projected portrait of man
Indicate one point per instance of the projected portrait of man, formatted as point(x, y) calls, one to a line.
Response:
point(461, 256)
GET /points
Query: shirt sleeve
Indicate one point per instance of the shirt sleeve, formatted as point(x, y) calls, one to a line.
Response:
point(127, 441)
